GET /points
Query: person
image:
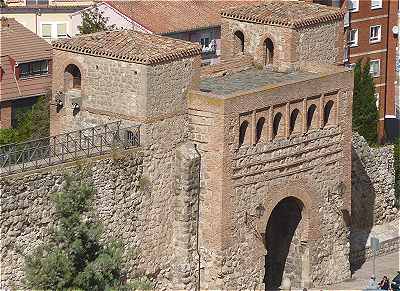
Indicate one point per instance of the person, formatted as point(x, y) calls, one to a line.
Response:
point(372, 284)
point(384, 284)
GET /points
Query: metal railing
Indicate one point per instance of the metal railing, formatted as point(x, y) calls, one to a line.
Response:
point(67, 147)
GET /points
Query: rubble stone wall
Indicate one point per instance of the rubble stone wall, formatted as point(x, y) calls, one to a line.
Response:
point(153, 215)
point(373, 178)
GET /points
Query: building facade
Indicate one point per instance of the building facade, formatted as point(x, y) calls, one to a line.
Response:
point(25, 69)
point(373, 35)
point(48, 22)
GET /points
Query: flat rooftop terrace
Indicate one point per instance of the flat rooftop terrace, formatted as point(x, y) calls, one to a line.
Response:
point(249, 80)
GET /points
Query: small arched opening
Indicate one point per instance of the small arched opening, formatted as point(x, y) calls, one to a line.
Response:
point(72, 77)
point(328, 113)
point(312, 117)
point(277, 129)
point(243, 138)
point(239, 42)
point(260, 129)
point(269, 52)
point(294, 126)
point(287, 253)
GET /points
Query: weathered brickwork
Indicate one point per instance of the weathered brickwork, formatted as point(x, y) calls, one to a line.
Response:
point(292, 47)
point(310, 164)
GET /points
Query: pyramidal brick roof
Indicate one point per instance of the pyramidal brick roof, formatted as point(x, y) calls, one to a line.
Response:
point(293, 14)
point(130, 46)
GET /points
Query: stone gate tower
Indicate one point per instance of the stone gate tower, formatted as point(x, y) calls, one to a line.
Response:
point(273, 126)
point(283, 35)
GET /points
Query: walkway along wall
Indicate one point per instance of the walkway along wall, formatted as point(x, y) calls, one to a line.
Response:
point(154, 215)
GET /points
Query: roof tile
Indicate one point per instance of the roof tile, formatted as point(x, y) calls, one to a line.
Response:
point(130, 46)
point(294, 14)
point(164, 17)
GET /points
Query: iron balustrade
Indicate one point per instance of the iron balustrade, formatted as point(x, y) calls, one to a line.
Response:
point(53, 150)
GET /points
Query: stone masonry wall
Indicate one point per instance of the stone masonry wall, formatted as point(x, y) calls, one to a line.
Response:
point(318, 44)
point(373, 178)
point(151, 214)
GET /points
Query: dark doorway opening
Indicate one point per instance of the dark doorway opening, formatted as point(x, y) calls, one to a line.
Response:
point(282, 224)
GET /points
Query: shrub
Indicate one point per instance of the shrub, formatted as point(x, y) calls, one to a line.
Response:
point(75, 257)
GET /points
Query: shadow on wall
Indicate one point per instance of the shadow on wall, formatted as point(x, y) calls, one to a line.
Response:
point(362, 209)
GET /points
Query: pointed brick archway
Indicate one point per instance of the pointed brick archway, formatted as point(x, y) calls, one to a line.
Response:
point(290, 228)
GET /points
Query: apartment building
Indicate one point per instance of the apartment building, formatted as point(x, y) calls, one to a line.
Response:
point(373, 35)
point(25, 69)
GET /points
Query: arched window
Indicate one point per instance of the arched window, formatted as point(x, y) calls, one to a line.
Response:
point(276, 125)
point(312, 118)
point(294, 124)
point(242, 132)
point(259, 128)
point(269, 51)
point(72, 77)
point(239, 42)
point(328, 118)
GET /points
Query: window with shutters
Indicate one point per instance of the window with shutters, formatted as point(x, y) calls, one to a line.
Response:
point(46, 30)
point(61, 30)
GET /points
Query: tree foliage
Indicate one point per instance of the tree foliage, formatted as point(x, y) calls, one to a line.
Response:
point(2, 4)
point(76, 256)
point(93, 21)
point(365, 113)
point(32, 123)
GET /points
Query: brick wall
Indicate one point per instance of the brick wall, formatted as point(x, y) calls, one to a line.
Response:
point(5, 114)
point(236, 179)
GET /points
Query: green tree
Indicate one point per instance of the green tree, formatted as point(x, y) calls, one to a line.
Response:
point(93, 21)
point(32, 123)
point(76, 256)
point(365, 113)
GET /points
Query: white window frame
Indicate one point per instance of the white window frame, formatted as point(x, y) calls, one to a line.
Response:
point(379, 68)
point(376, 6)
point(378, 38)
point(355, 42)
point(377, 99)
point(355, 4)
